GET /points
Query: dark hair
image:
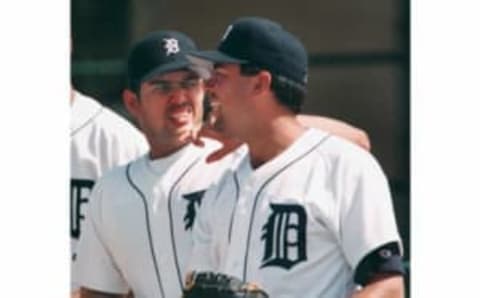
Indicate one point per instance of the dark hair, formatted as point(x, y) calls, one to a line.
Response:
point(134, 86)
point(289, 93)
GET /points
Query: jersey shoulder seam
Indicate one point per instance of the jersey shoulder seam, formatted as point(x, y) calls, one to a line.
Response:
point(88, 121)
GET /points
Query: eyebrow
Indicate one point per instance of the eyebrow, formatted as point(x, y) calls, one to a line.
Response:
point(219, 64)
point(156, 81)
point(192, 76)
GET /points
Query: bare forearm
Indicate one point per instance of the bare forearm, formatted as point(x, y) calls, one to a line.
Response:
point(391, 287)
point(338, 128)
point(87, 293)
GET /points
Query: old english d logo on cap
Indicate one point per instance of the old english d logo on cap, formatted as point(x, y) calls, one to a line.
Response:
point(171, 46)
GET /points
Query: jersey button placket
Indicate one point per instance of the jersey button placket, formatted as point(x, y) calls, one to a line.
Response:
point(239, 232)
point(249, 195)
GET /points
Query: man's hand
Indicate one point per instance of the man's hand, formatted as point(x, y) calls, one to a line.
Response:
point(388, 286)
point(209, 284)
point(88, 293)
point(228, 144)
point(212, 129)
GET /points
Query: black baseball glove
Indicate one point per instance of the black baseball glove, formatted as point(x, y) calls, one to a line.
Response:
point(218, 285)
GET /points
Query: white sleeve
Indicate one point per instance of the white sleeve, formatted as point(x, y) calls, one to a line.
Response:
point(95, 267)
point(203, 253)
point(366, 214)
point(131, 145)
point(122, 145)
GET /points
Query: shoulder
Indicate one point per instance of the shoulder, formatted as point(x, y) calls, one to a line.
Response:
point(116, 182)
point(84, 112)
point(220, 172)
point(115, 176)
point(228, 182)
point(228, 161)
point(87, 112)
point(117, 126)
point(210, 144)
point(341, 154)
point(338, 128)
point(211, 172)
point(121, 134)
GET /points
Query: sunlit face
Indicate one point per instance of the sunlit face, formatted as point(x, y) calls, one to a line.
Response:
point(228, 91)
point(170, 106)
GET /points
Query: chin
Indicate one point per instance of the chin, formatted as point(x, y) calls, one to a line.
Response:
point(182, 133)
point(233, 133)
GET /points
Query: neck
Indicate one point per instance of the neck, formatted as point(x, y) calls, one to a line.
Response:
point(272, 136)
point(161, 150)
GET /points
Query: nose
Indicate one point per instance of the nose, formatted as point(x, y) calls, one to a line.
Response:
point(178, 95)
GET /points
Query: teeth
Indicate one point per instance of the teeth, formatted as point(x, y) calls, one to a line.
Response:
point(181, 109)
point(181, 113)
point(214, 103)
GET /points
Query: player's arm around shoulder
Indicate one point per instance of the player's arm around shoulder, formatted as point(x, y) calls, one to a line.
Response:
point(87, 293)
point(338, 128)
point(384, 286)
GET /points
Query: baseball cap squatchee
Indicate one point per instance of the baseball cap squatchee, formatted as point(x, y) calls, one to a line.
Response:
point(265, 44)
point(158, 53)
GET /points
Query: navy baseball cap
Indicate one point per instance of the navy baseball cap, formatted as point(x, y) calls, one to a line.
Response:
point(158, 53)
point(263, 43)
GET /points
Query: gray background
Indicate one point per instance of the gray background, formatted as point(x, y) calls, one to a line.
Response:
point(359, 61)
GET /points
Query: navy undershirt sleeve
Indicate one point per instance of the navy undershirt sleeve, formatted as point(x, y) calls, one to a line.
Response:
point(385, 259)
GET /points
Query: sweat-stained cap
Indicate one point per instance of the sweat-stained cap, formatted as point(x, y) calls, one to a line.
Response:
point(158, 53)
point(264, 43)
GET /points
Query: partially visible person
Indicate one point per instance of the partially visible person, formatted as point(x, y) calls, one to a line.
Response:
point(304, 213)
point(99, 140)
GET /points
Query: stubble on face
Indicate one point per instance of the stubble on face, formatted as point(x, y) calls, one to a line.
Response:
point(213, 117)
point(172, 114)
point(226, 91)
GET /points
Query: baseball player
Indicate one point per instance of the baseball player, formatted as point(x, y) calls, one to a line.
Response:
point(99, 140)
point(137, 236)
point(304, 213)
point(138, 233)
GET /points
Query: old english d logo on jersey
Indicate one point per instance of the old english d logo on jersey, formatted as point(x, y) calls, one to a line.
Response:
point(284, 235)
point(194, 199)
point(79, 191)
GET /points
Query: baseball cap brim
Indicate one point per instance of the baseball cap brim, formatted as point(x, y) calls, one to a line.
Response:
point(217, 57)
point(176, 66)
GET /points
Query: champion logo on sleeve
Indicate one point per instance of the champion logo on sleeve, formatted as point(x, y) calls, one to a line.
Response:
point(385, 253)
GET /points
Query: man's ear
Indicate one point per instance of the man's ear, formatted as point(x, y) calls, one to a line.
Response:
point(263, 82)
point(131, 102)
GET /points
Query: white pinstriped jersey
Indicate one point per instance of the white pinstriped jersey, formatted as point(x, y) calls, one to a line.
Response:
point(138, 232)
point(299, 224)
point(99, 140)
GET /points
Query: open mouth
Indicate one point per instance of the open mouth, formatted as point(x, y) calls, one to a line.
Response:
point(214, 118)
point(180, 114)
